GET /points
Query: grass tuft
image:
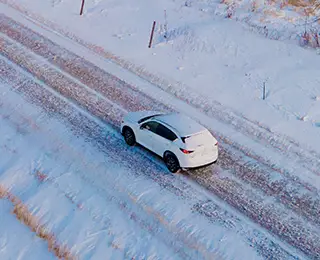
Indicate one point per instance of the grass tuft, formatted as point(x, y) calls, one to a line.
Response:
point(23, 214)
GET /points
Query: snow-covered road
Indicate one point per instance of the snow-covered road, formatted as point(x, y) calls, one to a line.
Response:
point(88, 103)
point(143, 210)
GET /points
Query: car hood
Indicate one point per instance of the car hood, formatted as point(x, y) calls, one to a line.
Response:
point(136, 116)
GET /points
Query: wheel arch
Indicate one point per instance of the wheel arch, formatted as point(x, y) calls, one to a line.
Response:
point(171, 153)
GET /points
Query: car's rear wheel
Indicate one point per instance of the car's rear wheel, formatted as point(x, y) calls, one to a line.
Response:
point(171, 162)
point(129, 136)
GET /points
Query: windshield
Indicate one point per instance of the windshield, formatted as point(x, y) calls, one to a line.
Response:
point(145, 119)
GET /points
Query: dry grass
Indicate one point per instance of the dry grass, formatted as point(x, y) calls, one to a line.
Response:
point(305, 7)
point(23, 214)
point(302, 3)
point(295, 3)
point(3, 192)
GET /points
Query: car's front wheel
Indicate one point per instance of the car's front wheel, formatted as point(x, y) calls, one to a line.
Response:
point(171, 162)
point(129, 136)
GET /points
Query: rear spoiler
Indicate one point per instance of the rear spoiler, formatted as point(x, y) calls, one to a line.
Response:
point(185, 137)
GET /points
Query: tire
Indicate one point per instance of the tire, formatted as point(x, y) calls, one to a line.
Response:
point(171, 162)
point(129, 136)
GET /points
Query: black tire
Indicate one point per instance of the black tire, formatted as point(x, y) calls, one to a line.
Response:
point(171, 162)
point(129, 136)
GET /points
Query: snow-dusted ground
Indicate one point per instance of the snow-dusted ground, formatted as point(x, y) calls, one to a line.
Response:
point(102, 206)
point(282, 138)
point(166, 206)
point(289, 21)
point(268, 177)
point(16, 240)
point(205, 55)
point(111, 144)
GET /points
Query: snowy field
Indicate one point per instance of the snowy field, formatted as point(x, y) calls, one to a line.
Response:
point(286, 20)
point(96, 206)
point(16, 240)
point(104, 198)
point(204, 56)
point(65, 86)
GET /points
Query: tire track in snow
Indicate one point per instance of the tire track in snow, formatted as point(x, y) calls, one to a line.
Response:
point(308, 203)
point(280, 143)
point(179, 240)
point(114, 89)
point(257, 173)
point(93, 108)
point(94, 133)
point(223, 195)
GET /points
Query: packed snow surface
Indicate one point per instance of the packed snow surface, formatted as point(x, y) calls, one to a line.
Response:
point(206, 54)
point(217, 69)
point(92, 202)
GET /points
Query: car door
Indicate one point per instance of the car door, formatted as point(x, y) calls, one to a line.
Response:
point(146, 134)
point(163, 140)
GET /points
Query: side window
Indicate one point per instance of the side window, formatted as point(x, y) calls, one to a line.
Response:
point(151, 126)
point(166, 133)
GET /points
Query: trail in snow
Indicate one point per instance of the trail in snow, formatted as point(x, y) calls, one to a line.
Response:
point(264, 180)
point(95, 134)
point(94, 108)
point(288, 151)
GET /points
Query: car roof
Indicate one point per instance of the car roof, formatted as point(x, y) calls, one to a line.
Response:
point(184, 125)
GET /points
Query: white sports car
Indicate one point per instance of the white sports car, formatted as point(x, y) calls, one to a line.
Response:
point(179, 140)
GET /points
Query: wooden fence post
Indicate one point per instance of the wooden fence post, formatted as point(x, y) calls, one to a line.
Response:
point(82, 5)
point(152, 31)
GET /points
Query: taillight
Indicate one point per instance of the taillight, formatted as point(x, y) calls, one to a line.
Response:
point(186, 151)
point(216, 144)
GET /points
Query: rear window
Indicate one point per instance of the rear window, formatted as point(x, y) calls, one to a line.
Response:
point(197, 139)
